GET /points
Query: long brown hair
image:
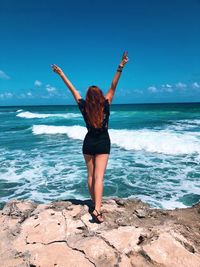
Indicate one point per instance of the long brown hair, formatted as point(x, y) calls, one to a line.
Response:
point(95, 106)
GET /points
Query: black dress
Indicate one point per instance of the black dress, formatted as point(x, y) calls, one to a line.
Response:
point(97, 140)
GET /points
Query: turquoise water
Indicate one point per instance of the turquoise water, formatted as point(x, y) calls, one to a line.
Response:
point(155, 154)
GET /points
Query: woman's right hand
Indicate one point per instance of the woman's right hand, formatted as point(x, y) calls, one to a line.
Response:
point(56, 69)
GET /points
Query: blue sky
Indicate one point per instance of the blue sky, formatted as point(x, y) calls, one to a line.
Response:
point(86, 38)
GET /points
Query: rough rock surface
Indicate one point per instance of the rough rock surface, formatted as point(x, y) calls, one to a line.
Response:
point(63, 234)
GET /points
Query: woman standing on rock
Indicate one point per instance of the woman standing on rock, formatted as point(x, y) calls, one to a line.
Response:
point(96, 145)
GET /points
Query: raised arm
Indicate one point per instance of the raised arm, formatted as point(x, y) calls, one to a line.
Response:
point(73, 90)
point(115, 80)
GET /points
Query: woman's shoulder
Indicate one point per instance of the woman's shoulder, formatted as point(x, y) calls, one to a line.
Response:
point(81, 100)
point(81, 103)
point(107, 102)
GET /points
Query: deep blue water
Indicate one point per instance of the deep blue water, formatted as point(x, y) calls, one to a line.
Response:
point(155, 154)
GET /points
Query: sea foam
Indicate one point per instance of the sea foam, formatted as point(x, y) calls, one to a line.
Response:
point(74, 132)
point(30, 115)
point(162, 141)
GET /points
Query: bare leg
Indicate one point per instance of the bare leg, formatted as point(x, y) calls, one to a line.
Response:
point(89, 159)
point(100, 167)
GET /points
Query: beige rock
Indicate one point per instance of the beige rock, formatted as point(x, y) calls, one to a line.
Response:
point(64, 234)
point(110, 207)
point(87, 220)
point(75, 210)
point(138, 260)
point(10, 224)
point(19, 243)
point(16, 208)
point(57, 254)
point(12, 262)
point(109, 201)
point(24, 205)
point(8, 252)
point(46, 228)
point(2, 218)
point(72, 226)
point(169, 252)
point(125, 261)
point(187, 244)
point(95, 249)
point(40, 208)
point(124, 238)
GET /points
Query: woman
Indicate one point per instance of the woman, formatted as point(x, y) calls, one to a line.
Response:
point(96, 145)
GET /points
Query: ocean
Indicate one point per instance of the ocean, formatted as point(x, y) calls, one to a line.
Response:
point(155, 154)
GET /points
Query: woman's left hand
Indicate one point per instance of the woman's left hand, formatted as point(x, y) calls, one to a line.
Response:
point(125, 58)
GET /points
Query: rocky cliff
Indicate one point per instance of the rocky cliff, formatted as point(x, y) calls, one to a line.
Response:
point(63, 233)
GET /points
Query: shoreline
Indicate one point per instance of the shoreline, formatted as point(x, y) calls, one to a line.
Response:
point(87, 202)
point(62, 233)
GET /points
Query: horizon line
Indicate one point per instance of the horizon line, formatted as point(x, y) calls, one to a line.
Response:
point(150, 103)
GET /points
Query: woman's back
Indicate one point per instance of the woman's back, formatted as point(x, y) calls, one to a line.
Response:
point(105, 119)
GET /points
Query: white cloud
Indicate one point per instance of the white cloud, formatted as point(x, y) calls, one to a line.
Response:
point(6, 95)
point(38, 83)
point(50, 88)
point(152, 89)
point(167, 88)
point(195, 85)
point(176, 88)
point(121, 92)
point(181, 85)
point(4, 76)
point(9, 95)
point(137, 91)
